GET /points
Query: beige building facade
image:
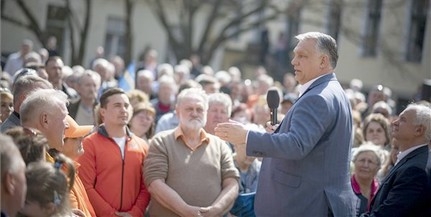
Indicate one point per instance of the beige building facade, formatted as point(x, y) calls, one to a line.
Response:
point(387, 57)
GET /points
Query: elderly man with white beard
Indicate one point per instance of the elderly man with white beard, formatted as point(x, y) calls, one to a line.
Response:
point(188, 171)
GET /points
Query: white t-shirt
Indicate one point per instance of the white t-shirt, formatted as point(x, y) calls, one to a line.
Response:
point(121, 142)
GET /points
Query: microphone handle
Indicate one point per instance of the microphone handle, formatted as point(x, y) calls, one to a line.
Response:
point(273, 116)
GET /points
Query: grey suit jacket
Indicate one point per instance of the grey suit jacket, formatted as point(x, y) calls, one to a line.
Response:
point(305, 170)
point(12, 121)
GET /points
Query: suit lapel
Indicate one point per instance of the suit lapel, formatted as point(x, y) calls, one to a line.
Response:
point(323, 79)
point(399, 164)
point(405, 159)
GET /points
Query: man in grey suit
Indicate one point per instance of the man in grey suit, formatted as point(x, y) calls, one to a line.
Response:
point(305, 169)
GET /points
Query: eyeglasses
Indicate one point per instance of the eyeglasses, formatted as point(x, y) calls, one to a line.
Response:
point(4, 90)
point(6, 105)
point(364, 161)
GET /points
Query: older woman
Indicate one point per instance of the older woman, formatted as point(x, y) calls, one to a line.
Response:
point(142, 121)
point(6, 99)
point(366, 164)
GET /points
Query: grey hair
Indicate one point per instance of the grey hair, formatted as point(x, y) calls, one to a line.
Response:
point(39, 101)
point(146, 73)
point(25, 84)
point(183, 95)
point(383, 105)
point(90, 73)
point(423, 117)
point(369, 147)
point(100, 62)
point(221, 98)
point(324, 43)
point(165, 69)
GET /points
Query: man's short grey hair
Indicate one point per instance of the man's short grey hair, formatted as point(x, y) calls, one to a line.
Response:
point(193, 92)
point(221, 98)
point(324, 43)
point(146, 73)
point(100, 62)
point(369, 147)
point(423, 117)
point(90, 73)
point(43, 100)
point(168, 81)
point(25, 84)
point(165, 69)
point(9, 155)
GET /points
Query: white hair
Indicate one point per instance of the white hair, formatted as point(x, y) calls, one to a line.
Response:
point(423, 117)
point(42, 100)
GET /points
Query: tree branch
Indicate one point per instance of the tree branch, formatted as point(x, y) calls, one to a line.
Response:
point(224, 37)
point(160, 13)
point(15, 21)
point(33, 25)
point(210, 23)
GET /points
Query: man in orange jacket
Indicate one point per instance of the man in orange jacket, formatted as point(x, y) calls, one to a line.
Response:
point(111, 166)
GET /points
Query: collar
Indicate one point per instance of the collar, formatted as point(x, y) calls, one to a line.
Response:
point(357, 189)
point(204, 139)
point(16, 114)
point(403, 154)
point(305, 86)
point(102, 130)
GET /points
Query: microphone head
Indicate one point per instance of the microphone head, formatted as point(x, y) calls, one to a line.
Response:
point(273, 99)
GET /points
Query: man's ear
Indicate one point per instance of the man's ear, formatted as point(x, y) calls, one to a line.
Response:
point(43, 119)
point(324, 61)
point(420, 130)
point(10, 183)
point(102, 112)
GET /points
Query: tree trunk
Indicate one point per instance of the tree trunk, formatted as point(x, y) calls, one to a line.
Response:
point(129, 32)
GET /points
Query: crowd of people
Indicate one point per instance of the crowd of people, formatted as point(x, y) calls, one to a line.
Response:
point(188, 141)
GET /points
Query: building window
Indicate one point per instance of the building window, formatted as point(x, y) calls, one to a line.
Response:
point(333, 23)
point(416, 29)
point(55, 26)
point(115, 38)
point(372, 25)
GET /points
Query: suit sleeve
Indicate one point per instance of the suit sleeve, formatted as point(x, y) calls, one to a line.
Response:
point(87, 173)
point(310, 120)
point(406, 190)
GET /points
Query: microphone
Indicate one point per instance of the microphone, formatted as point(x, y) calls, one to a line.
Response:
point(273, 101)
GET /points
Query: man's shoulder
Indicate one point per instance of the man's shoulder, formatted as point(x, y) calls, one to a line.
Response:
point(95, 137)
point(164, 134)
point(10, 122)
point(14, 56)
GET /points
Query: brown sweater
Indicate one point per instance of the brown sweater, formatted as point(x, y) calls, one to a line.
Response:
point(197, 176)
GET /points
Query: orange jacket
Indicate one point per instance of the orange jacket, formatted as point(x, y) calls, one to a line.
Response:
point(79, 198)
point(114, 184)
